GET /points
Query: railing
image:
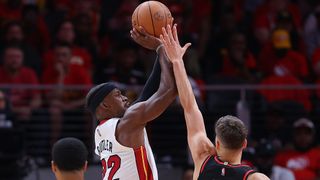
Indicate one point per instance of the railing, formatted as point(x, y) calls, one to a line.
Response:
point(167, 133)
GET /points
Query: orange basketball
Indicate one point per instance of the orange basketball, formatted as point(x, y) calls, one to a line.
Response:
point(152, 16)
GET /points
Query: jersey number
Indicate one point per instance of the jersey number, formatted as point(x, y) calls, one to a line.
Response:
point(114, 163)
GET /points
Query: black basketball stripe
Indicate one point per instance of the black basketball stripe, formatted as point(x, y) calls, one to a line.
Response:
point(138, 15)
point(164, 8)
point(154, 31)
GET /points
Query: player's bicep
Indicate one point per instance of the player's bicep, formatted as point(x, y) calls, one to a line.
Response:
point(140, 113)
point(133, 116)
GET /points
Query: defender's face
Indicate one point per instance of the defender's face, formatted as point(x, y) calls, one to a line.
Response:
point(118, 103)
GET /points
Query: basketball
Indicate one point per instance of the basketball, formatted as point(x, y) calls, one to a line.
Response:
point(152, 16)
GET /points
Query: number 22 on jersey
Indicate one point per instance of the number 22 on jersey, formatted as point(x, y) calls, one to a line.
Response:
point(113, 163)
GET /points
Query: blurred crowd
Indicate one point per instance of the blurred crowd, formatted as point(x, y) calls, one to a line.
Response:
point(86, 42)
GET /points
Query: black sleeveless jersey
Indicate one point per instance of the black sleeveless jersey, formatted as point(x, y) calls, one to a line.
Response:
point(214, 169)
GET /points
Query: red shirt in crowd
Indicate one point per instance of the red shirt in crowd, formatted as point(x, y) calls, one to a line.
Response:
point(26, 76)
point(293, 63)
point(304, 165)
point(230, 69)
point(300, 96)
point(265, 17)
point(77, 75)
point(80, 57)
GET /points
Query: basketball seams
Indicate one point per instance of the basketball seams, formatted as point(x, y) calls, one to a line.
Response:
point(138, 15)
point(151, 15)
point(164, 12)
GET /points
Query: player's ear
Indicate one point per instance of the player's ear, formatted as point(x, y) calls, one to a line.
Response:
point(217, 142)
point(85, 167)
point(104, 106)
point(53, 167)
point(245, 143)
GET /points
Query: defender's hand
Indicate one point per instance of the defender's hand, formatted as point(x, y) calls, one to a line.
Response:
point(141, 37)
point(171, 43)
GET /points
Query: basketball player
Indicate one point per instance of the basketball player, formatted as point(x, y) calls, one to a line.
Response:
point(230, 131)
point(69, 159)
point(120, 138)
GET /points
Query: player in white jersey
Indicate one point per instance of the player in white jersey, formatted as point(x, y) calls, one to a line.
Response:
point(120, 138)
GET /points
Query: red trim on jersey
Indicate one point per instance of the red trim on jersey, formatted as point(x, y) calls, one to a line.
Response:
point(143, 166)
point(247, 174)
point(204, 163)
point(103, 121)
point(230, 165)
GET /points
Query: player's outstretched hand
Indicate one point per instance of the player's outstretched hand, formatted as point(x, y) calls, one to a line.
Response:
point(171, 43)
point(141, 37)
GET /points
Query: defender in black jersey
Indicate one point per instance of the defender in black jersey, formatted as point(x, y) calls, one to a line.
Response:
point(230, 131)
point(213, 168)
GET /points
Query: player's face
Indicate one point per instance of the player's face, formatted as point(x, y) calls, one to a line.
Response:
point(118, 102)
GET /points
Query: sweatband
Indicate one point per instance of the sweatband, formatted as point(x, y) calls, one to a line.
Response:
point(97, 94)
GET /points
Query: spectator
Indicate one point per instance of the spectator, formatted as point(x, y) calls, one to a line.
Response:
point(124, 66)
point(274, 128)
point(312, 31)
point(64, 73)
point(14, 33)
point(284, 20)
point(264, 161)
point(10, 10)
point(265, 18)
point(296, 95)
point(24, 101)
point(85, 37)
point(36, 30)
point(238, 60)
point(279, 59)
point(69, 159)
point(66, 34)
point(303, 159)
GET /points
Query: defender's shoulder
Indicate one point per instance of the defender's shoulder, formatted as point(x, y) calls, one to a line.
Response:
point(258, 176)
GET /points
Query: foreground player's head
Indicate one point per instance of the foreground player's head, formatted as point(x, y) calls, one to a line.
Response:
point(106, 101)
point(69, 159)
point(231, 133)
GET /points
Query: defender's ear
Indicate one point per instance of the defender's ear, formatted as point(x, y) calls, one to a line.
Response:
point(53, 167)
point(217, 142)
point(85, 167)
point(245, 143)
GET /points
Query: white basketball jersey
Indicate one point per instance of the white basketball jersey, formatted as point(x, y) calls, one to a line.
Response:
point(120, 162)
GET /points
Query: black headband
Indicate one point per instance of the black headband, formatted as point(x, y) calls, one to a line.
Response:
point(97, 94)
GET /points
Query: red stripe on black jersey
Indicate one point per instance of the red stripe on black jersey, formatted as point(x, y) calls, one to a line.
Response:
point(143, 166)
point(204, 163)
point(245, 177)
point(214, 168)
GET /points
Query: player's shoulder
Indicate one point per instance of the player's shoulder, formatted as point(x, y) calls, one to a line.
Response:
point(258, 176)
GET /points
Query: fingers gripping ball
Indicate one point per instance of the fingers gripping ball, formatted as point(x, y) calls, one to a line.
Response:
point(152, 16)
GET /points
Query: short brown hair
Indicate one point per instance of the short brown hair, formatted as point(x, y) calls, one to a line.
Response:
point(231, 131)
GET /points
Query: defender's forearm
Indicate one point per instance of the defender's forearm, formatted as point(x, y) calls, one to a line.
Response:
point(167, 81)
point(185, 91)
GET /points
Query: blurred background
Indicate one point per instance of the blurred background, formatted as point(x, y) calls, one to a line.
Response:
point(256, 59)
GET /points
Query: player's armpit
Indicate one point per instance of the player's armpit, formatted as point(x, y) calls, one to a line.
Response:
point(258, 176)
point(201, 147)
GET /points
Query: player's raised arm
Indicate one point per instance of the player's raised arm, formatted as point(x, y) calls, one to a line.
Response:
point(141, 37)
point(199, 144)
point(140, 113)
